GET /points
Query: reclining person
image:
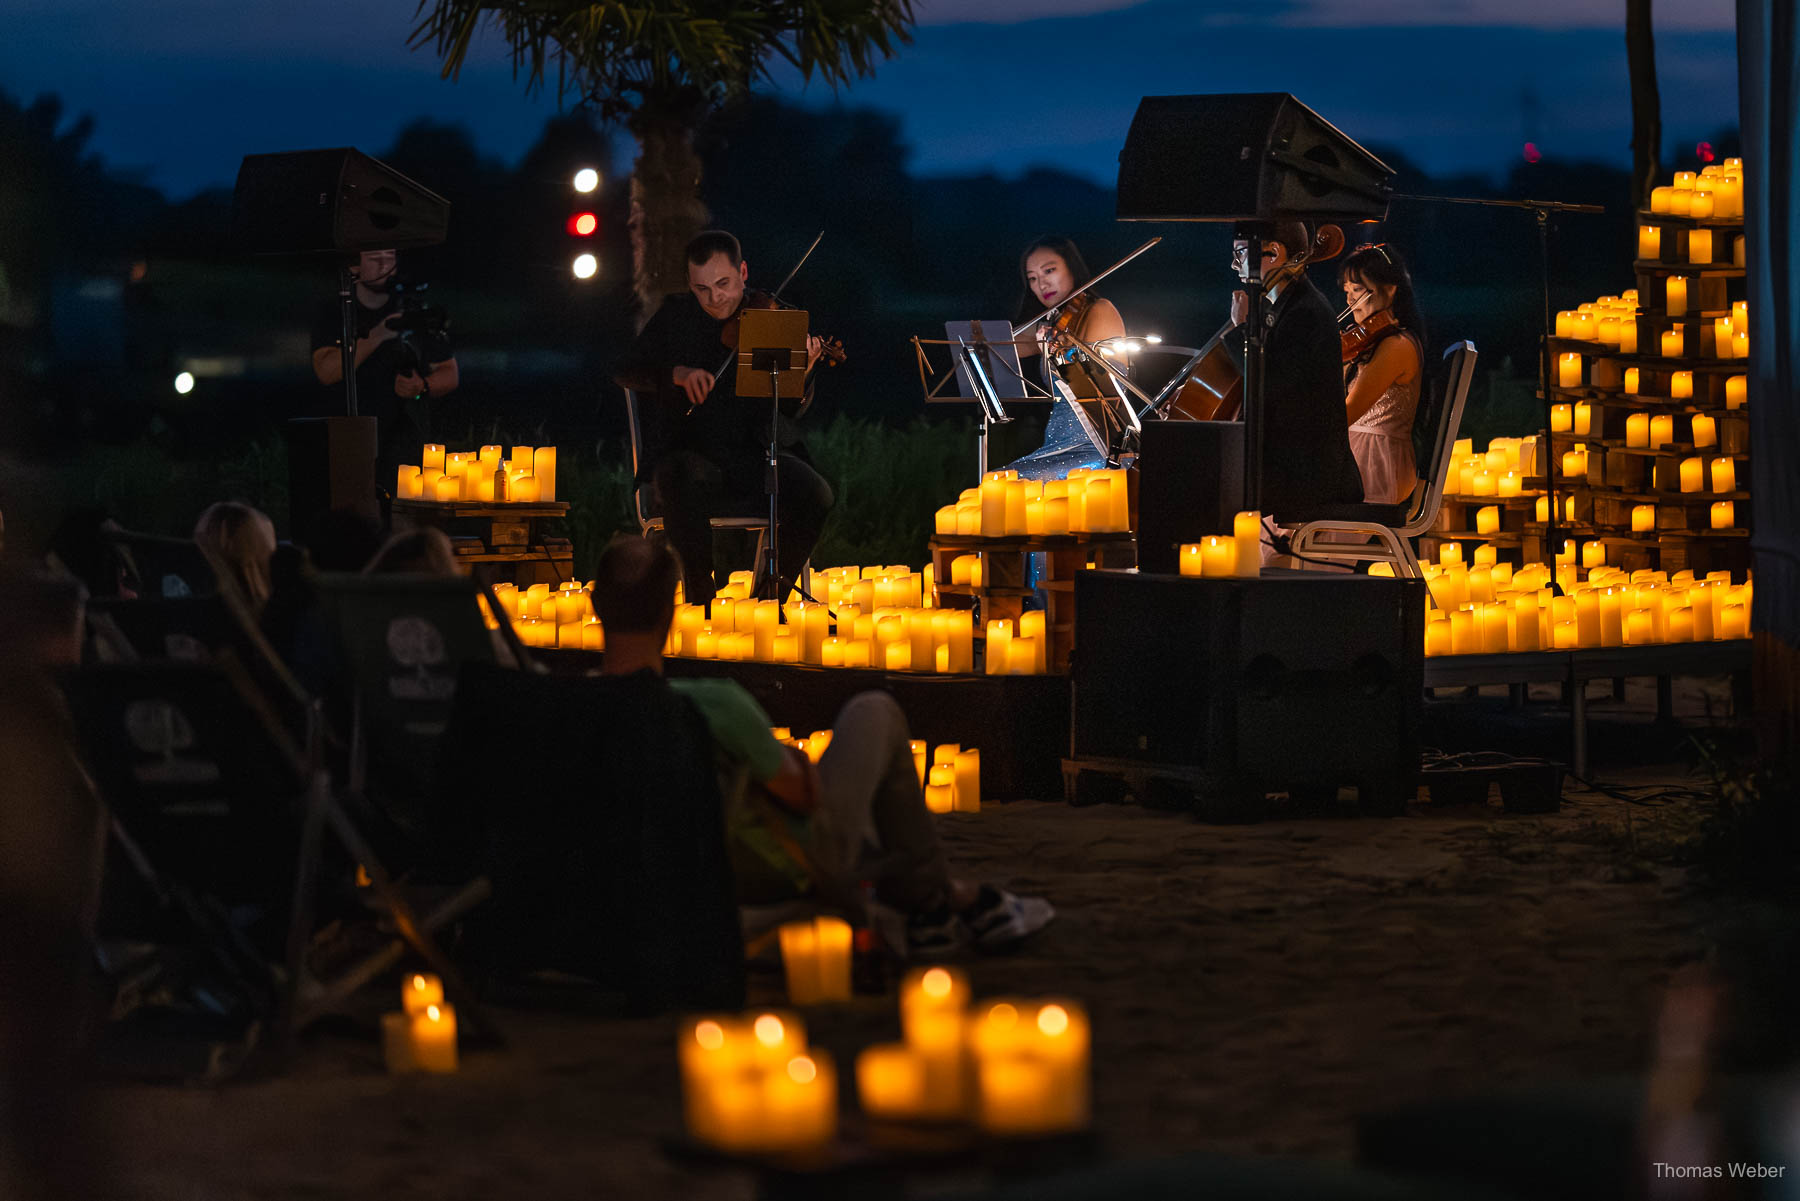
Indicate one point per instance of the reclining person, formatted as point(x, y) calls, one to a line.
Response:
point(795, 829)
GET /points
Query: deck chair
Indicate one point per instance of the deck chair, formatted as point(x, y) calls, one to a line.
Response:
point(164, 567)
point(1390, 528)
point(592, 804)
point(643, 492)
point(213, 796)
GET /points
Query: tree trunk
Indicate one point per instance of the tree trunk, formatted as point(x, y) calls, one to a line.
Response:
point(1646, 102)
point(665, 204)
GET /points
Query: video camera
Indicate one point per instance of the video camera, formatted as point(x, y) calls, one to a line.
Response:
point(417, 316)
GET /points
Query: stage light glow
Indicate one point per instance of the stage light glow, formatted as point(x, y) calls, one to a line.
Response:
point(1705, 152)
point(1153, 339)
point(184, 383)
point(583, 225)
point(587, 179)
point(1532, 153)
point(585, 266)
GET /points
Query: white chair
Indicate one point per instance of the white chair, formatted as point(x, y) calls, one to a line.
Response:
point(1387, 530)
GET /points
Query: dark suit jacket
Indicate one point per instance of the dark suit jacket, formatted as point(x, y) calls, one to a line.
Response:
point(1306, 457)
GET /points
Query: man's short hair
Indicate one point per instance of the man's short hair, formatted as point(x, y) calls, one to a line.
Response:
point(714, 241)
point(634, 585)
point(1294, 237)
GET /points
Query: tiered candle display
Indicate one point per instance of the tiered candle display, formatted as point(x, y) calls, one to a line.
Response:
point(1011, 1067)
point(1005, 506)
point(527, 476)
point(750, 1083)
point(422, 1036)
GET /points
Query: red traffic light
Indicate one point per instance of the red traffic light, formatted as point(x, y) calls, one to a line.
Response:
point(584, 225)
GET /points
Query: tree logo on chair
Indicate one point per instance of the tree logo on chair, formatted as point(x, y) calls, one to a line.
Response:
point(416, 643)
point(158, 729)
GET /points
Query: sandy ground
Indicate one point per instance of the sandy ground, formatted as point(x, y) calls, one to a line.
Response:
point(1252, 989)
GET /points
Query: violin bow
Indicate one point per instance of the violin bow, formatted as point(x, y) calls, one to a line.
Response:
point(1058, 306)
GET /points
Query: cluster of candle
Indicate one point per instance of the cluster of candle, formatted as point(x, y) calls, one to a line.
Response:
point(1088, 501)
point(1020, 648)
point(1236, 555)
point(1731, 335)
point(750, 1083)
point(1498, 471)
point(889, 639)
point(950, 779)
point(1488, 607)
point(560, 617)
point(527, 476)
point(1609, 320)
point(815, 958)
point(1716, 190)
point(422, 1036)
point(1012, 1066)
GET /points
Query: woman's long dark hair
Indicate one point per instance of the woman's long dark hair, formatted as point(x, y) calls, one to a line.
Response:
point(1382, 265)
point(1029, 305)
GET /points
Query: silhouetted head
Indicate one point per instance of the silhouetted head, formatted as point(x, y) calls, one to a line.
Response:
point(634, 586)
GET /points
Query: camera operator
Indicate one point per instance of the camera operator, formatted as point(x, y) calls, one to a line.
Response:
point(403, 356)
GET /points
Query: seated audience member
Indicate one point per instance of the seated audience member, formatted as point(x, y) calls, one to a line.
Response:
point(415, 552)
point(239, 541)
point(859, 815)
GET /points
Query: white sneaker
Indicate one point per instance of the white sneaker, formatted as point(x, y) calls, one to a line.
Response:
point(1000, 919)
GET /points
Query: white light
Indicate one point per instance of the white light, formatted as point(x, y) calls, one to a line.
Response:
point(585, 266)
point(1153, 339)
point(184, 383)
point(1134, 346)
point(587, 179)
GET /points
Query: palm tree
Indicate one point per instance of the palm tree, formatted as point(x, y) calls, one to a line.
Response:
point(659, 67)
point(1646, 103)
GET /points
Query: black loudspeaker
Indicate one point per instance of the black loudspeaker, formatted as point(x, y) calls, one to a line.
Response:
point(1190, 484)
point(1252, 157)
point(308, 201)
point(331, 465)
point(1294, 680)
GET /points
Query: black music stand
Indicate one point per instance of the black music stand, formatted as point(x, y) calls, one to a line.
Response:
point(772, 362)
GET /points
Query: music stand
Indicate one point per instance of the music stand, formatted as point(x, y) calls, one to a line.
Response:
point(987, 372)
point(772, 362)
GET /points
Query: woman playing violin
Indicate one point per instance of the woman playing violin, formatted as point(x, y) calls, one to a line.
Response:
point(1383, 370)
point(1051, 269)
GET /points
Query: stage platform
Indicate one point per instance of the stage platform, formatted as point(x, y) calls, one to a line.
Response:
point(1019, 723)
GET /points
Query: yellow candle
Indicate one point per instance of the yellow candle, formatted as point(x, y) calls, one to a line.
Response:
point(1724, 475)
point(1574, 462)
point(1681, 625)
point(1022, 656)
point(1643, 519)
point(1191, 563)
point(1701, 206)
point(1681, 386)
point(1585, 324)
point(1612, 628)
point(968, 778)
point(1569, 370)
point(1567, 638)
point(1510, 484)
point(1525, 633)
point(1735, 621)
point(407, 486)
point(1706, 430)
point(1672, 342)
point(1662, 429)
point(432, 457)
point(890, 1081)
point(1740, 316)
point(800, 962)
point(1628, 335)
point(1056, 515)
point(897, 656)
point(1700, 245)
point(1098, 506)
point(1014, 493)
point(1593, 554)
point(940, 788)
point(1246, 529)
point(1649, 241)
point(1218, 556)
point(1737, 391)
point(1484, 483)
point(434, 1039)
point(1034, 515)
point(1584, 418)
point(1724, 515)
point(1465, 639)
point(799, 1104)
point(1437, 637)
point(1640, 628)
point(945, 521)
point(1565, 323)
point(524, 490)
point(1660, 200)
point(1587, 618)
point(999, 634)
point(993, 505)
point(1487, 519)
point(1677, 295)
point(1637, 430)
point(1684, 180)
point(1562, 417)
point(1740, 346)
point(449, 488)
point(420, 991)
point(930, 990)
point(1681, 202)
point(1449, 553)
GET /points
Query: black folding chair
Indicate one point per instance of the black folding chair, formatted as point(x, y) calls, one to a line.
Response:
point(593, 805)
point(163, 566)
point(214, 796)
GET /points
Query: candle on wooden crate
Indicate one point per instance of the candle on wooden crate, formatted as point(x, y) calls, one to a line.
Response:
point(1593, 554)
point(1701, 206)
point(1662, 429)
point(1681, 385)
point(1637, 430)
point(999, 634)
point(1584, 418)
point(1737, 391)
point(1700, 246)
point(1740, 346)
point(1705, 430)
point(1676, 294)
point(1724, 515)
point(1510, 484)
point(449, 488)
point(1562, 418)
point(1487, 519)
point(1569, 370)
point(1740, 316)
point(1673, 343)
point(1643, 519)
point(1191, 564)
point(1724, 475)
point(1649, 241)
point(407, 486)
point(1735, 621)
point(1660, 199)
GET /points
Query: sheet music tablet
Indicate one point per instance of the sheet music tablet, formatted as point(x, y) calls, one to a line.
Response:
point(1000, 357)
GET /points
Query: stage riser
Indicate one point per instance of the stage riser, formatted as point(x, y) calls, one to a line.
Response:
point(1020, 723)
point(1289, 681)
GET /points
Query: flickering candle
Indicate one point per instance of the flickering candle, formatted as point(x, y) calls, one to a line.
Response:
point(1218, 556)
point(1612, 621)
point(1740, 346)
point(543, 469)
point(1465, 638)
point(1584, 418)
point(448, 488)
point(1525, 631)
point(1662, 430)
point(999, 634)
point(1449, 553)
point(1681, 200)
point(1593, 554)
point(1056, 515)
point(1735, 621)
point(1684, 180)
point(890, 1081)
point(419, 992)
point(1562, 417)
point(1705, 429)
point(1640, 628)
point(1511, 484)
point(930, 990)
point(1587, 617)
point(1681, 387)
point(1721, 328)
point(1565, 323)
point(968, 775)
point(1649, 241)
point(1740, 316)
point(1568, 370)
point(1700, 207)
point(523, 490)
point(1566, 636)
point(1700, 246)
point(1585, 324)
point(945, 520)
point(434, 1039)
point(1437, 637)
point(1724, 514)
point(1246, 530)
point(1097, 504)
point(1191, 564)
point(1637, 430)
point(1643, 519)
point(1724, 475)
point(1628, 334)
point(407, 486)
point(1677, 295)
point(1574, 462)
point(1487, 554)
point(1487, 519)
point(1660, 199)
point(1672, 343)
point(993, 505)
point(1737, 391)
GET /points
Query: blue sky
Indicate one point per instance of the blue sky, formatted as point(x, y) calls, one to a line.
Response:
point(184, 88)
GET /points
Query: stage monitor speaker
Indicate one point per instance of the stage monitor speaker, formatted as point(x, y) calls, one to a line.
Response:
point(331, 465)
point(1190, 484)
point(1251, 157)
point(311, 201)
point(1297, 679)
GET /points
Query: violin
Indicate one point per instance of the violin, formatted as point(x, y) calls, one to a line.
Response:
point(1360, 339)
point(1067, 320)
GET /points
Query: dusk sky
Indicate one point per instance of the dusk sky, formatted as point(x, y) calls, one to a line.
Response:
point(184, 88)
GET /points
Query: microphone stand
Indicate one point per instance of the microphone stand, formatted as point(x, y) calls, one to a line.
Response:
point(347, 318)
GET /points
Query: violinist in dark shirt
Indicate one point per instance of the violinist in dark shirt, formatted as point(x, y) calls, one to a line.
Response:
point(705, 448)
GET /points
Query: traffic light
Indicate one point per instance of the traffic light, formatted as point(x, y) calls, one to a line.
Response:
point(584, 223)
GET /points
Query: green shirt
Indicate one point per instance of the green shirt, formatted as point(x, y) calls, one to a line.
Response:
point(766, 870)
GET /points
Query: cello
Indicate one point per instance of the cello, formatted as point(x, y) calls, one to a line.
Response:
point(1212, 387)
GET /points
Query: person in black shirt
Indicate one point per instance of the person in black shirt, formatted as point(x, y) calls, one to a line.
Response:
point(1306, 459)
point(397, 377)
point(705, 448)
